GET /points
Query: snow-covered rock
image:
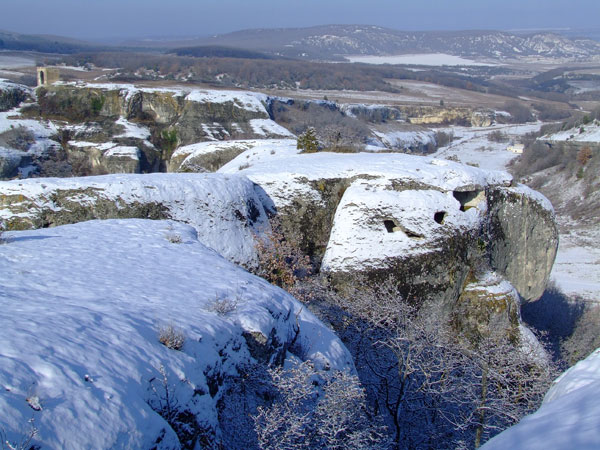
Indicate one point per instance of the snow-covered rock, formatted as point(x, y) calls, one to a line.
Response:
point(211, 156)
point(419, 141)
point(226, 210)
point(568, 417)
point(426, 222)
point(81, 307)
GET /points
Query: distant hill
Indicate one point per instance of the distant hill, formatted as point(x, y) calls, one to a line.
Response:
point(46, 43)
point(333, 42)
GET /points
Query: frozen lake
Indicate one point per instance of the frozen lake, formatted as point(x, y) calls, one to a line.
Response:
point(424, 59)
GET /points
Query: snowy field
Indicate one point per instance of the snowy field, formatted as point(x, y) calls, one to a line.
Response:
point(15, 62)
point(576, 270)
point(472, 146)
point(423, 59)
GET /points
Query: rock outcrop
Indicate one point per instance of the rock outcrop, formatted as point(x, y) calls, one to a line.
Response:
point(155, 120)
point(523, 238)
point(226, 210)
point(436, 227)
point(197, 115)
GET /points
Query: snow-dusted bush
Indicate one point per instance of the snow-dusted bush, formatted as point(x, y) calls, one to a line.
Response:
point(171, 337)
point(223, 306)
point(316, 410)
point(280, 260)
point(23, 443)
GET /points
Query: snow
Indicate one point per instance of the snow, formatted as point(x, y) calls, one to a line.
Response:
point(262, 150)
point(41, 131)
point(254, 150)
point(283, 177)
point(405, 139)
point(424, 59)
point(472, 146)
point(359, 239)
point(568, 417)
point(12, 119)
point(218, 206)
point(576, 270)
point(132, 130)
point(81, 306)
point(123, 151)
point(591, 133)
point(264, 127)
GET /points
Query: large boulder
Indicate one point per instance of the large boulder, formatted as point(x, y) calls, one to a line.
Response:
point(434, 226)
point(523, 238)
point(226, 210)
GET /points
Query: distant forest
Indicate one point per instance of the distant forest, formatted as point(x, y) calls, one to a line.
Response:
point(283, 73)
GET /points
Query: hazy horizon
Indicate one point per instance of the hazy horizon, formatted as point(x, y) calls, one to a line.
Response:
point(134, 19)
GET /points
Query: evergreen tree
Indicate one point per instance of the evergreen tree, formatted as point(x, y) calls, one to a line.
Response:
point(307, 141)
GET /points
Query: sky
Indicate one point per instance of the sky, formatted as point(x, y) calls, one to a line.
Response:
point(115, 19)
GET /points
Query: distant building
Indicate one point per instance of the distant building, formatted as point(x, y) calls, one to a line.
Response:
point(516, 148)
point(47, 76)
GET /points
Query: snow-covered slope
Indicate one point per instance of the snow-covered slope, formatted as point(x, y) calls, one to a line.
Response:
point(225, 209)
point(81, 306)
point(585, 133)
point(569, 417)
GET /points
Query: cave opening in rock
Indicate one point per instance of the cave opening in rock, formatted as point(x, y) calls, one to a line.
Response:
point(390, 226)
point(468, 199)
point(440, 216)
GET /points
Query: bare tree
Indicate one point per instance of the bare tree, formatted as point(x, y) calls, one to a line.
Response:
point(433, 387)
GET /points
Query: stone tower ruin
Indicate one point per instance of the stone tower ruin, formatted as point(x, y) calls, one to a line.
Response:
point(47, 76)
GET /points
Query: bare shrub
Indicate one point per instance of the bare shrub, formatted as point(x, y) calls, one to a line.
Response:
point(497, 136)
point(316, 410)
point(280, 260)
point(171, 337)
point(442, 138)
point(3, 239)
point(584, 155)
point(223, 306)
point(427, 380)
point(519, 113)
point(164, 400)
point(174, 238)
point(25, 441)
point(585, 338)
